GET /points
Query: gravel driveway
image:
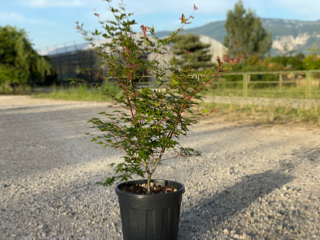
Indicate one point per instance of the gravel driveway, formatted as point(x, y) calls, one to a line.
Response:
point(252, 182)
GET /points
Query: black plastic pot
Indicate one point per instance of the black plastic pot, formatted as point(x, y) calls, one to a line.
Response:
point(150, 217)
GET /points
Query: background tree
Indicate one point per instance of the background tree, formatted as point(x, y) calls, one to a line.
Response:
point(285, 52)
point(312, 60)
point(192, 52)
point(245, 34)
point(20, 64)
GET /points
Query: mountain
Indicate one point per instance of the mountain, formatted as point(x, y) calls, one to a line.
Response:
point(296, 35)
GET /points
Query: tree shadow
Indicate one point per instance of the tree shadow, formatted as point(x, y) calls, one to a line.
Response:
point(211, 210)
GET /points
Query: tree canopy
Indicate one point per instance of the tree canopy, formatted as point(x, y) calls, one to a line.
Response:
point(19, 62)
point(245, 34)
point(192, 52)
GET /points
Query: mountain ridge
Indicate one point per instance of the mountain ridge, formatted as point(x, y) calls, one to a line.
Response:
point(296, 34)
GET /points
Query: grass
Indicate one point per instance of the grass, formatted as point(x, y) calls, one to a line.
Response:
point(76, 93)
point(263, 114)
point(233, 111)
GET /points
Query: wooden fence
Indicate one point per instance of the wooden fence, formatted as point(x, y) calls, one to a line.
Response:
point(309, 84)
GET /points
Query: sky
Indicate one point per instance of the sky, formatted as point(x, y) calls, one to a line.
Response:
point(52, 22)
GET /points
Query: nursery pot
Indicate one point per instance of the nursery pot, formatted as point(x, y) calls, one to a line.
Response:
point(150, 217)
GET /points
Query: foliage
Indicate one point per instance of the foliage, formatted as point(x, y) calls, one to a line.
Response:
point(19, 62)
point(290, 63)
point(254, 63)
point(245, 34)
point(194, 54)
point(311, 63)
point(314, 50)
point(154, 116)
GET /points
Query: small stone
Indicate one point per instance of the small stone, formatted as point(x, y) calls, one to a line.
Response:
point(226, 232)
point(236, 236)
point(245, 236)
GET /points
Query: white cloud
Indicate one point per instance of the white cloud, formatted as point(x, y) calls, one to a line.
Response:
point(16, 17)
point(53, 3)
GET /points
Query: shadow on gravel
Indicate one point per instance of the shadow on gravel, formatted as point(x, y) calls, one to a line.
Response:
point(30, 107)
point(312, 154)
point(210, 211)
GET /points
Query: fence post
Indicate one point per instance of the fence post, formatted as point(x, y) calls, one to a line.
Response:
point(245, 85)
point(280, 80)
point(308, 78)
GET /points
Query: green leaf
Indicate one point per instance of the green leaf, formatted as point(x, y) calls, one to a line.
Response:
point(108, 181)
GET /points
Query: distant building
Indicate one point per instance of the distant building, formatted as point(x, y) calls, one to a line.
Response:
point(68, 60)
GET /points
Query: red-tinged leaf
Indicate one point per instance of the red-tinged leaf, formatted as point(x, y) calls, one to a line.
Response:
point(144, 29)
point(96, 14)
point(194, 7)
point(219, 61)
point(77, 22)
point(183, 19)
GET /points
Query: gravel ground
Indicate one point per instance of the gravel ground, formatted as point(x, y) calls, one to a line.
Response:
point(252, 182)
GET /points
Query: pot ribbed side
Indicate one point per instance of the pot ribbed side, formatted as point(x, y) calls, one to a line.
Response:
point(151, 217)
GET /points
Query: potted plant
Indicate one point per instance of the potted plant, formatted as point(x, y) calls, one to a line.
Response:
point(150, 208)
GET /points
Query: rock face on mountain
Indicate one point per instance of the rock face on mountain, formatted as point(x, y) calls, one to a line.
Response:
point(292, 34)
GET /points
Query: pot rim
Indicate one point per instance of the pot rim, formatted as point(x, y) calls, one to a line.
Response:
point(158, 196)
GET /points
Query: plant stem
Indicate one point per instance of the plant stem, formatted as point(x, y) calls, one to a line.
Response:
point(149, 183)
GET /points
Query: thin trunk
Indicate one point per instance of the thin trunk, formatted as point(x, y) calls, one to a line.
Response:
point(149, 183)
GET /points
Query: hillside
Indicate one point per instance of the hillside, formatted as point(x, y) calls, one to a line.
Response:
point(298, 35)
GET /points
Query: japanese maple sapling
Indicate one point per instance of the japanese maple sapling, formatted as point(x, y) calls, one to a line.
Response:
point(154, 116)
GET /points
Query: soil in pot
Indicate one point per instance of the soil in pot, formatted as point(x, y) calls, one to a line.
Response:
point(142, 188)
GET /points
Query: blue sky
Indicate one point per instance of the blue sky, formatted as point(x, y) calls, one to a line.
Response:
point(52, 22)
